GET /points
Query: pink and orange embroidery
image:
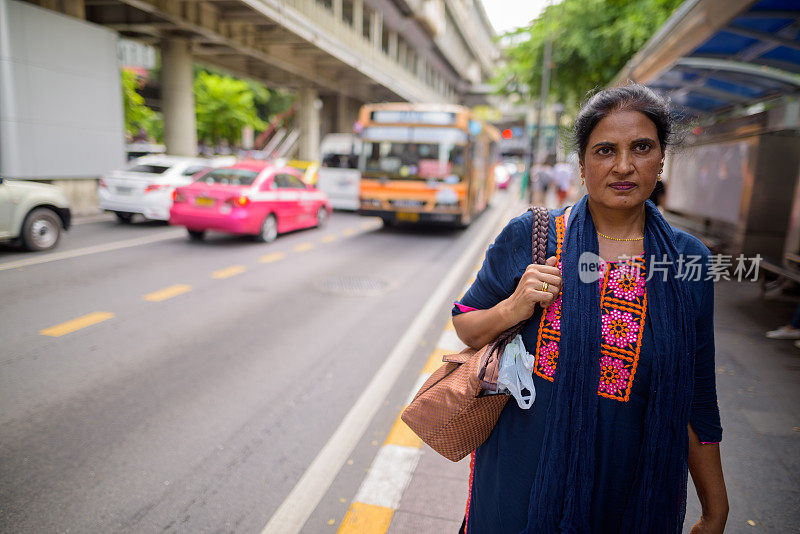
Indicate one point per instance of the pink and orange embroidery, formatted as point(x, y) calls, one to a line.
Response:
point(623, 308)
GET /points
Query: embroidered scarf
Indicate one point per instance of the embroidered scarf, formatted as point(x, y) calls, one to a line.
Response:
point(560, 500)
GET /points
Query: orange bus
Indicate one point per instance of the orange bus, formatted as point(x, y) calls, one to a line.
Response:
point(425, 163)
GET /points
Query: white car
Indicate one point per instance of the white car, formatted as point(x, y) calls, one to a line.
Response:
point(32, 214)
point(146, 186)
point(339, 176)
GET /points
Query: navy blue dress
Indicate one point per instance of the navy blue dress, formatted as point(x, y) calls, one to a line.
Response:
point(504, 467)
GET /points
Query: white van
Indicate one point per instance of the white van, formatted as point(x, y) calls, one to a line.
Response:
point(339, 176)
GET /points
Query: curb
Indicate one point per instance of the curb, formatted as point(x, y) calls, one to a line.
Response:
point(378, 497)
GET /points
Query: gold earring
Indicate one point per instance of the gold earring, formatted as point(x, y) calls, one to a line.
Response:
point(582, 180)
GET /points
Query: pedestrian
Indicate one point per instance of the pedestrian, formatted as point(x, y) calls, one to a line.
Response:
point(789, 331)
point(562, 176)
point(624, 366)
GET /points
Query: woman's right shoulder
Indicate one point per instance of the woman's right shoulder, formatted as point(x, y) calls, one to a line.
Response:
point(517, 228)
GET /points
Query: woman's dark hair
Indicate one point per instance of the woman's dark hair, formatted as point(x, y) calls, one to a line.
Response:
point(631, 97)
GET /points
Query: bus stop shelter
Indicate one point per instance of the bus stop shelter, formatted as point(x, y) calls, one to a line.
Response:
point(731, 69)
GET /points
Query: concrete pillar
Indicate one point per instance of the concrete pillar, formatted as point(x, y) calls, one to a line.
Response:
point(344, 121)
point(376, 29)
point(358, 17)
point(177, 97)
point(308, 111)
point(75, 8)
point(402, 54)
point(393, 45)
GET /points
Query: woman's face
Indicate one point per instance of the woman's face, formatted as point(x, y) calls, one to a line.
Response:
point(622, 161)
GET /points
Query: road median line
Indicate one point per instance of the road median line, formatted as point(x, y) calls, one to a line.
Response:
point(167, 293)
point(79, 323)
point(301, 501)
point(227, 272)
point(302, 247)
point(271, 258)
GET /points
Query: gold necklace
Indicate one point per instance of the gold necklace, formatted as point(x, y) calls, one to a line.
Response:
point(621, 238)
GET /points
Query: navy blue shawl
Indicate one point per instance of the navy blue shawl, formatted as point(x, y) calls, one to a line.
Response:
point(560, 498)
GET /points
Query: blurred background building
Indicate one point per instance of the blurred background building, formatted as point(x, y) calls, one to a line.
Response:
point(61, 110)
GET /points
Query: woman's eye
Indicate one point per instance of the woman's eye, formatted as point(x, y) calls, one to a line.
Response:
point(643, 147)
point(604, 151)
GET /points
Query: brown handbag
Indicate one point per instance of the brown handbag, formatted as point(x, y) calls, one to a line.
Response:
point(450, 412)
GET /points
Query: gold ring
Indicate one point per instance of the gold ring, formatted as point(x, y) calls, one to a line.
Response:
point(545, 286)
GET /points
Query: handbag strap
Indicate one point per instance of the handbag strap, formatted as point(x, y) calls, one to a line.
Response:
point(541, 227)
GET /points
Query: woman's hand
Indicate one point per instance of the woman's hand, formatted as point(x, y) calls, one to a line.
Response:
point(522, 303)
point(708, 526)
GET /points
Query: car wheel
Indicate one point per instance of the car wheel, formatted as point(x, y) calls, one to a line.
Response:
point(196, 235)
point(41, 230)
point(124, 217)
point(322, 216)
point(388, 222)
point(269, 229)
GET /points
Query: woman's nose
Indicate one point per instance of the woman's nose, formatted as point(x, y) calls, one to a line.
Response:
point(624, 163)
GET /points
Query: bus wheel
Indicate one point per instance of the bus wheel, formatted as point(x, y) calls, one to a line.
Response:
point(388, 222)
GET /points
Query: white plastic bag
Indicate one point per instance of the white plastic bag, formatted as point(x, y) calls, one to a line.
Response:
point(516, 373)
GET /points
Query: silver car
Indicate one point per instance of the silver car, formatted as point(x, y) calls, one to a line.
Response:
point(145, 187)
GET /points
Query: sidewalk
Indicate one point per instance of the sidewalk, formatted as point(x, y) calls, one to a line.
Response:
point(757, 384)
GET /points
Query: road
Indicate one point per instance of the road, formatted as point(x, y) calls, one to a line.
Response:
point(150, 383)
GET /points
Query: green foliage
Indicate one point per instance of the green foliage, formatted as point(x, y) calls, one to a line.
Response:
point(225, 105)
point(138, 116)
point(280, 101)
point(591, 42)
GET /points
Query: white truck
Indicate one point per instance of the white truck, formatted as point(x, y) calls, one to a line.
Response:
point(339, 176)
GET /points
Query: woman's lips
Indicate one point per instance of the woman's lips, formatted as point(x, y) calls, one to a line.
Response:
point(622, 186)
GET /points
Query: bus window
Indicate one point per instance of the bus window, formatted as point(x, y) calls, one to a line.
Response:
point(413, 160)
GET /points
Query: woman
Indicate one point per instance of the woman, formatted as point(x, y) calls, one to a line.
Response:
point(624, 370)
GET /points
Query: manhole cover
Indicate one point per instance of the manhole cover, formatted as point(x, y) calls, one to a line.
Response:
point(354, 286)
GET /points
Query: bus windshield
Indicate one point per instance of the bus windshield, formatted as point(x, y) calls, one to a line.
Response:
point(413, 153)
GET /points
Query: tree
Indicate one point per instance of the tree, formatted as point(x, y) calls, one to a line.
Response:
point(138, 117)
point(223, 106)
point(591, 42)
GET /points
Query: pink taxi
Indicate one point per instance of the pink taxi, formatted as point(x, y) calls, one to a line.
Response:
point(250, 197)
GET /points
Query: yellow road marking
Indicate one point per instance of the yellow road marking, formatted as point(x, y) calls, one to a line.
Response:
point(227, 272)
point(368, 225)
point(330, 238)
point(167, 293)
point(401, 435)
point(366, 519)
point(76, 324)
point(350, 231)
point(269, 258)
point(302, 247)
